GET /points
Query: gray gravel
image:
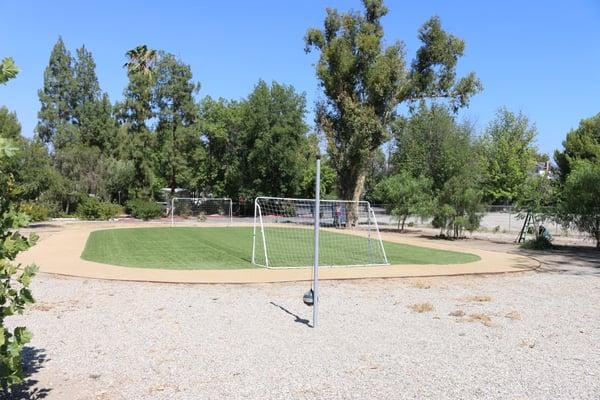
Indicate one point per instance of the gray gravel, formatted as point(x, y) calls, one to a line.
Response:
point(118, 340)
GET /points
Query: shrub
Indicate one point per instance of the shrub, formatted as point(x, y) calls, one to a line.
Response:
point(202, 217)
point(15, 295)
point(539, 243)
point(144, 209)
point(37, 212)
point(94, 209)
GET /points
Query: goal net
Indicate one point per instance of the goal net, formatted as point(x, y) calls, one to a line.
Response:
point(195, 209)
point(284, 229)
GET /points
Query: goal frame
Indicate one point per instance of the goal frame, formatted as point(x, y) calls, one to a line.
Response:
point(258, 218)
point(225, 199)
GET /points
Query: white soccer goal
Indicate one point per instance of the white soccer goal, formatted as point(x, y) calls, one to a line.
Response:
point(284, 229)
point(199, 209)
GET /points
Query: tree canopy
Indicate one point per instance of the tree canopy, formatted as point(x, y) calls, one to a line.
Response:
point(365, 81)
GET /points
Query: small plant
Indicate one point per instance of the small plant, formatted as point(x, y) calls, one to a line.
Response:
point(36, 212)
point(144, 209)
point(497, 229)
point(202, 217)
point(539, 243)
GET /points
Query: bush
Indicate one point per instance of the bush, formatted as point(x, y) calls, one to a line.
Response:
point(37, 212)
point(93, 209)
point(539, 243)
point(144, 209)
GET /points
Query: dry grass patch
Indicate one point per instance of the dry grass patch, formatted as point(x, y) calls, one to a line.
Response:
point(478, 299)
point(421, 285)
point(478, 317)
point(514, 315)
point(527, 343)
point(457, 313)
point(42, 307)
point(421, 307)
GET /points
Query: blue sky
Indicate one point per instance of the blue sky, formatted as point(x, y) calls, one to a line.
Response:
point(539, 57)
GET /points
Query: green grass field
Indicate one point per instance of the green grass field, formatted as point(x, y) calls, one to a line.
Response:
point(231, 248)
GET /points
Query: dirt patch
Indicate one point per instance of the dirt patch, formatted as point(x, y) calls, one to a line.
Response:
point(421, 307)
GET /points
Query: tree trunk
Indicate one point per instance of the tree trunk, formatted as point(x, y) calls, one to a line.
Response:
point(358, 190)
point(403, 222)
point(598, 233)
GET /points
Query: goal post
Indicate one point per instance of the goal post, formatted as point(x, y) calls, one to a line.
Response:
point(283, 233)
point(201, 209)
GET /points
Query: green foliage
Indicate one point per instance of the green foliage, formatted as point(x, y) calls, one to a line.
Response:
point(144, 209)
point(580, 198)
point(56, 97)
point(405, 195)
point(8, 70)
point(459, 206)
point(432, 144)
point(365, 81)
point(582, 143)
point(36, 212)
point(537, 196)
point(273, 140)
point(218, 161)
point(177, 114)
point(510, 155)
point(14, 287)
point(93, 209)
point(538, 243)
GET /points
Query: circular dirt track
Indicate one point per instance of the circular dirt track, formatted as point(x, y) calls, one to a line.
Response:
point(60, 248)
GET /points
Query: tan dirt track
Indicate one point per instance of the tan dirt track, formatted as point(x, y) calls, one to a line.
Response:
point(59, 251)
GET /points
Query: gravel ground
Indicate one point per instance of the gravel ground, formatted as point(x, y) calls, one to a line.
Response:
point(519, 336)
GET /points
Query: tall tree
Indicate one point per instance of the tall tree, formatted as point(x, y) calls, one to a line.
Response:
point(177, 133)
point(56, 97)
point(274, 135)
point(86, 88)
point(91, 108)
point(218, 162)
point(510, 155)
point(135, 111)
point(365, 81)
point(141, 60)
point(582, 143)
point(580, 198)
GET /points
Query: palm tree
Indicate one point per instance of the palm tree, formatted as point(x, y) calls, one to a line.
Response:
point(141, 60)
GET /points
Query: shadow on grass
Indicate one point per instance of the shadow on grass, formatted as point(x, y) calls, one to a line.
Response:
point(33, 361)
point(298, 319)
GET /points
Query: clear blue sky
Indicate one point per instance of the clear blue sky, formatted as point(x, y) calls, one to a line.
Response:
point(540, 57)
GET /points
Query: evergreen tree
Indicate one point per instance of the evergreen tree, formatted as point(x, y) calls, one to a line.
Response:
point(177, 133)
point(135, 111)
point(56, 97)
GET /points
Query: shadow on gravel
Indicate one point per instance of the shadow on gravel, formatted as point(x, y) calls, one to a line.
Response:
point(33, 361)
point(572, 260)
point(298, 319)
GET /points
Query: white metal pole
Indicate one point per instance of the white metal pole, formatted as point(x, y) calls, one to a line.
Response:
point(254, 234)
point(172, 212)
point(317, 224)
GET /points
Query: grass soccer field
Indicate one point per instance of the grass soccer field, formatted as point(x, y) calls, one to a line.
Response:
point(231, 248)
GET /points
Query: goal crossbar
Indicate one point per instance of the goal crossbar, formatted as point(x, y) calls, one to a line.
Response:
point(282, 233)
